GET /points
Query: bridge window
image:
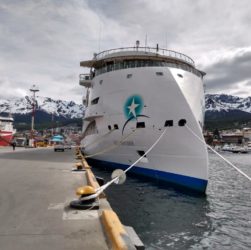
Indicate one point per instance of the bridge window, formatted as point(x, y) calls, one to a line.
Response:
point(111, 66)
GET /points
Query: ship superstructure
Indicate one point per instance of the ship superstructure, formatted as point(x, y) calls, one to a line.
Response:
point(132, 94)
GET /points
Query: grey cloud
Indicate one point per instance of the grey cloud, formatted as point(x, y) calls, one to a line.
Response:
point(240, 93)
point(248, 83)
point(228, 73)
point(185, 24)
point(43, 42)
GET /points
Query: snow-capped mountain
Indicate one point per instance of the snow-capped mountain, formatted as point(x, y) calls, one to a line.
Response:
point(218, 103)
point(220, 109)
point(227, 111)
point(59, 108)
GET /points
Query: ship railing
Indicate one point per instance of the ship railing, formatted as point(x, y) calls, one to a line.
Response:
point(159, 51)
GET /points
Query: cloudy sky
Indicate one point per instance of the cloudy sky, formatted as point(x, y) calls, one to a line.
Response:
point(43, 41)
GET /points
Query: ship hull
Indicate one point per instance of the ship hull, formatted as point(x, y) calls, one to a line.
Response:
point(179, 181)
point(5, 138)
point(150, 100)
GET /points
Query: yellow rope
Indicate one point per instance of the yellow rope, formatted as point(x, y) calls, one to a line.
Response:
point(111, 147)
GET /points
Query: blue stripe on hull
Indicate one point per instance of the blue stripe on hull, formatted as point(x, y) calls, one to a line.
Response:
point(187, 182)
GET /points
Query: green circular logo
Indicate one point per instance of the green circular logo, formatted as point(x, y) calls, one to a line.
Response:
point(133, 106)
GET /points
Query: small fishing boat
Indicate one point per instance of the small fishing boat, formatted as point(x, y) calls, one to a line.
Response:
point(6, 130)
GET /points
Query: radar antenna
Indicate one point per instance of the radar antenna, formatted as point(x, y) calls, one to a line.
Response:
point(137, 44)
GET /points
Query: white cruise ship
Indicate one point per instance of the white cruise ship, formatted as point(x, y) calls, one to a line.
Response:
point(132, 95)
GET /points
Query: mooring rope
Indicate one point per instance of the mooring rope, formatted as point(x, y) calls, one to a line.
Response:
point(230, 163)
point(101, 189)
point(112, 146)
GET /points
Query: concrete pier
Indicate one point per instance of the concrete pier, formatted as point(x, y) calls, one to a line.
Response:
point(36, 187)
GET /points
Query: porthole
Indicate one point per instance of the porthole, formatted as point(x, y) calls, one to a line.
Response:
point(159, 73)
point(140, 125)
point(95, 101)
point(141, 152)
point(168, 123)
point(182, 122)
point(129, 76)
point(179, 75)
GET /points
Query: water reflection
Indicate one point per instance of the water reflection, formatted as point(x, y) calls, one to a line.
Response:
point(163, 217)
point(167, 219)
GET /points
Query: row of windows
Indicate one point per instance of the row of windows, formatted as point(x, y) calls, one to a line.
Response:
point(168, 123)
point(92, 127)
point(145, 63)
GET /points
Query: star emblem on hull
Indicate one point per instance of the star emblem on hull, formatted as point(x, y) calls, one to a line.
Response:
point(132, 108)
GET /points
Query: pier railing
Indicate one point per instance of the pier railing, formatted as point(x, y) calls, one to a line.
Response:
point(159, 51)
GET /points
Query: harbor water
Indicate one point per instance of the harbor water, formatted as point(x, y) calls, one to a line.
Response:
point(165, 218)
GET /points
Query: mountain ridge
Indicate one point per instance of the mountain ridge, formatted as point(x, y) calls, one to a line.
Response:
point(223, 102)
point(55, 107)
point(227, 111)
point(221, 110)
